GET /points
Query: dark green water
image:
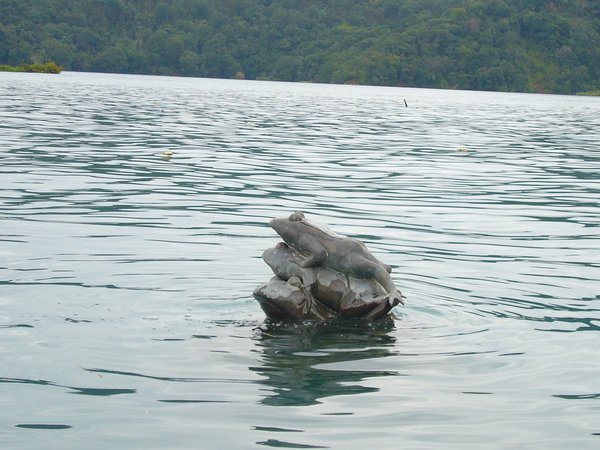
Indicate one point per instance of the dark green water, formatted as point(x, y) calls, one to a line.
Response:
point(126, 316)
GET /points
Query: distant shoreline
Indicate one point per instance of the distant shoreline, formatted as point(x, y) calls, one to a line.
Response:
point(595, 93)
point(53, 68)
point(47, 67)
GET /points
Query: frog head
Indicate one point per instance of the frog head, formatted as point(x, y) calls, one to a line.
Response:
point(289, 228)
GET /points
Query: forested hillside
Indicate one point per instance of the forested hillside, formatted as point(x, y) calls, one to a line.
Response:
point(508, 45)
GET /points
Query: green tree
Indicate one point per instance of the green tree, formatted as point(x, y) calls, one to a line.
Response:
point(217, 60)
point(531, 45)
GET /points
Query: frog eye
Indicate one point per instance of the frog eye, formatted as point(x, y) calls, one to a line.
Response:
point(296, 216)
point(294, 281)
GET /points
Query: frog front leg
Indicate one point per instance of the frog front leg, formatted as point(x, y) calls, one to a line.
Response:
point(317, 253)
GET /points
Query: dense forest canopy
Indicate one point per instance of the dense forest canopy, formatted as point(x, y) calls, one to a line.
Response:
point(507, 45)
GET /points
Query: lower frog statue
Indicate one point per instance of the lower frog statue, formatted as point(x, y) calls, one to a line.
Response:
point(320, 274)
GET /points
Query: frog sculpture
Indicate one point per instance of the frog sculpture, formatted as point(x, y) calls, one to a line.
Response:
point(320, 275)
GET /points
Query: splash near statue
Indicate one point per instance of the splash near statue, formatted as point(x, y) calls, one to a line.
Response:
point(320, 275)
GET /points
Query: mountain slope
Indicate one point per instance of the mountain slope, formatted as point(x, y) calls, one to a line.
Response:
point(518, 45)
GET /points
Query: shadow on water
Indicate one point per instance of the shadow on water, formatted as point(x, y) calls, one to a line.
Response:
point(293, 357)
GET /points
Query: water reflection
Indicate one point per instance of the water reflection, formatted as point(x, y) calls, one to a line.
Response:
point(284, 444)
point(305, 363)
point(72, 389)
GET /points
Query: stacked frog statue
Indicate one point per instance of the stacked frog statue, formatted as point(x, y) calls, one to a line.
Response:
point(320, 275)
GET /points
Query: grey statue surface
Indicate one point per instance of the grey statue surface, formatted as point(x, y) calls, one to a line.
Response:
point(320, 275)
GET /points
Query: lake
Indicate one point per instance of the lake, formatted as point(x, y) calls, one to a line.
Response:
point(126, 310)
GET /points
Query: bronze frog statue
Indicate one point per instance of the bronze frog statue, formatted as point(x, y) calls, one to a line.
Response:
point(321, 246)
point(321, 274)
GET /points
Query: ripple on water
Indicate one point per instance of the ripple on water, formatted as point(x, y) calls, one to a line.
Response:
point(127, 276)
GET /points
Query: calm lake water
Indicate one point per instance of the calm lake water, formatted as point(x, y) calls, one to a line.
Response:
point(126, 310)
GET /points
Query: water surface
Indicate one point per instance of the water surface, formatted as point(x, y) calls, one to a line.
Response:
point(126, 315)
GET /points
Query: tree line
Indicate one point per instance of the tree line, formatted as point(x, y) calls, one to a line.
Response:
point(548, 46)
point(47, 67)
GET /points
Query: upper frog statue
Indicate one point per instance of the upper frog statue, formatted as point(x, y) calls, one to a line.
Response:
point(319, 249)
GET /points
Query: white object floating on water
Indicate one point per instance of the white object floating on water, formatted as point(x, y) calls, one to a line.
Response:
point(167, 154)
point(462, 149)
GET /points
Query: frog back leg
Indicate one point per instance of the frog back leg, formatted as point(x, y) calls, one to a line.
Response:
point(364, 251)
point(365, 268)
